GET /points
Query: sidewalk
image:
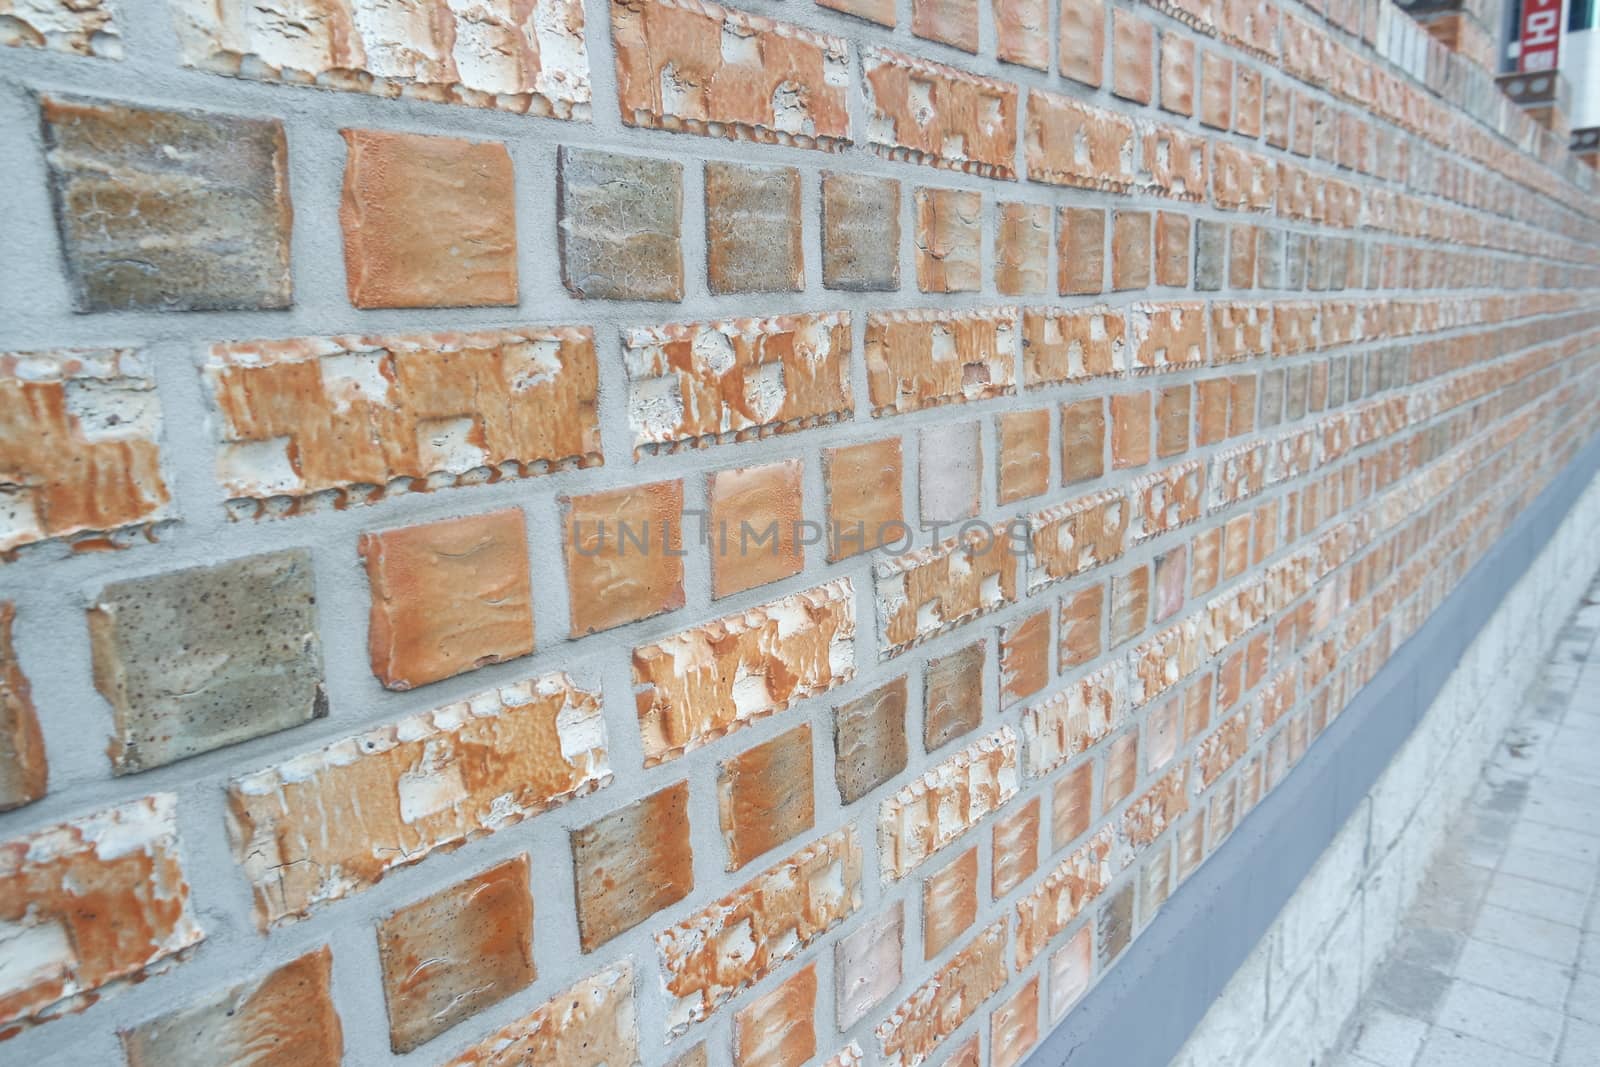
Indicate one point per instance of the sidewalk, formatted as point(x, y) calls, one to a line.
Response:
point(1498, 964)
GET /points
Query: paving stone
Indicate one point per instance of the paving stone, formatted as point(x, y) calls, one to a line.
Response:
point(1538, 899)
point(1540, 937)
point(1580, 1045)
point(1389, 1040)
point(621, 225)
point(1505, 1021)
point(1514, 973)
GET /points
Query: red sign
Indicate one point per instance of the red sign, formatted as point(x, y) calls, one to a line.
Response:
point(1541, 35)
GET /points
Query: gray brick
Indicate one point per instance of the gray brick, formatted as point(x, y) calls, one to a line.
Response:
point(1210, 255)
point(621, 225)
point(753, 233)
point(860, 233)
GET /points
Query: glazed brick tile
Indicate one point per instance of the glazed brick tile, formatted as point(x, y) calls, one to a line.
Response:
point(949, 903)
point(952, 695)
point(620, 225)
point(428, 222)
point(624, 550)
point(594, 1020)
point(870, 740)
point(1073, 720)
point(865, 508)
point(927, 592)
point(951, 22)
point(866, 964)
point(1022, 249)
point(1132, 51)
point(1064, 894)
point(1016, 848)
point(331, 822)
point(62, 886)
point(853, 204)
point(1071, 805)
point(694, 385)
point(1081, 625)
point(1014, 1026)
point(1082, 41)
point(950, 472)
point(1022, 32)
point(1080, 250)
point(765, 796)
point(448, 597)
point(289, 1010)
point(533, 61)
point(453, 954)
point(973, 783)
point(433, 410)
point(930, 113)
point(729, 74)
point(1077, 144)
point(195, 660)
point(688, 685)
point(949, 240)
point(938, 1007)
point(72, 421)
point(773, 916)
point(1172, 249)
point(630, 864)
point(1070, 968)
point(1024, 657)
point(1024, 464)
point(925, 358)
point(778, 1029)
point(1130, 250)
point(753, 242)
point(1072, 346)
point(79, 29)
point(755, 514)
point(1177, 74)
point(141, 231)
point(24, 766)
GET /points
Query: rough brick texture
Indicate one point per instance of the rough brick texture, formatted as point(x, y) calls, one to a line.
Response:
point(903, 480)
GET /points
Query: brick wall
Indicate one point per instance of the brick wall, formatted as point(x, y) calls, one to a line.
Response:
point(343, 340)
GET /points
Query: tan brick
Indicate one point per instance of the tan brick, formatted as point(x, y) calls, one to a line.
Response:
point(1014, 1026)
point(1080, 250)
point(951, 22)
point(89, 903)
point(448, 597)
point(870, 740)
point(1132, 62)
point(1081, 614)
point(952, 695)
point(1172, 421)
point(283, 1017)
point(1073, 720)
point(1083, 40)
point(1172, 249)
point(1130, 430)
point(630, 864)
point(778, 1029)
point(79, 444)
point(592, 1022)
point(1070, 346)
point(736, 941)
point(702, 683)
point(929, 591)
point(1240, 331)
point(1216, 90)
point(1016, 848)
point(867, 965)
point(1078, 536)
point(947, 800)
point(949, 903)
point(1024, 657)
point(453, 954)
point(428, 221)
point(624, 550)
point(1024, 468)
point(1063, 895)
point(1022, 249)
point(329, 823)
point(700, 384)
point(924, 358)
point(1130, 604)
point(864, 500)
point(356, 417)
point(1083, 440)
point(755, 516)
point(531, 59)
point(938, 1007)
point(729, 74)
point(1072, 143)
point(879, 11)
point(24, 767)
point(949, 240)
point(753, 229)
point(1071, 805)
point(1022, 32)
point(939, 115)
point(764, 796)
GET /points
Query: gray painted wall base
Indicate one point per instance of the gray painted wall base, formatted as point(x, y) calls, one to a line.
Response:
point(1143, 1011)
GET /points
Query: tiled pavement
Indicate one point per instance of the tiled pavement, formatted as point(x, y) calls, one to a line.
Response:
point(1498, 963)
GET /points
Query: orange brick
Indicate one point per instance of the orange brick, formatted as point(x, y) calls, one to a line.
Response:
point(784, 84)
point(1071, 143)
point(1081, 614)
point(1024, 657)
point(1130, 430)
point(1177, 74)
point(925, 358)
point(865, 509)
point(1073, 720)
point(1024, 455)
point(879, 11)
point(1216, 90)
point(1066, 346)
point(591, 1022)
point(1148, 817)
point(1071, 805)
point(755, 516)
point(949, 240)
point(1022, 249)
point(1083, 40)
point(1080, 250)
point(691, 687)
point(764, 795)
point(951, 22)
point(1167, 336)
point(777, 1029)
point(448, 597)
point(949, 903)
point(24, 767)
point(1014, 1026)
point(632, 863)
point(1083, 441)
point(1078, 536)
point(938, 1007)
point(968, 122)
point(1016, 848)
point(1130, 250)
point(1133, 42)
point(948, 799)
point(624, 555)
point(1172, 249)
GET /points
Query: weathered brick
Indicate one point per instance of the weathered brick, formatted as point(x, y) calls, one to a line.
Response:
point(169, 210)
point(1113, 928)
point(951, 22)
point(938, 1007)
point(939, 115)
point(926, 592)
point(1240, 331)
point(449, 956)
point(195, 660)
point(288, 1011)
point(952, 695)
point(755, 514)
point(1173, 162)
point(632, 863)
point(947, 800)
point(1177, 74)
point(1082, 41)
point(1077, 536)
point(923, 358)
point(91, 902)
point(1133, 42)
point(1072, 143)
point(331, 822)
point(1022, 249)
point(531, 59)
point(428, 221)
point(778, 1029)
point(695, 686)
point(448, 597)
point(24, 767)
point(592, 1022)
point(1024, 657)
point(1070, 346)
point(1070, 967)
point(1024, 467)
point(1022, 33)
point(736, 941)
point(353, 418)
point(949, 472)
point(870, 740)
point(864, 501)
point(1071, 805)
point(1080, 250)
point(1130, 250)
point(1014, 1026)
point(866, 965)
point(949, 240)
point(1016, 848)
point(624, 551)
point(753, 229)
point(1073, 720)
point(729, 74)
point(949, 903)
point(85, 29)
point(854, 204)
point(1149, 816)
point(699, 384)
point(79, 445)
point(1168, 336)
point(1063, 895)
point(764, 795)
point(620, 225)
